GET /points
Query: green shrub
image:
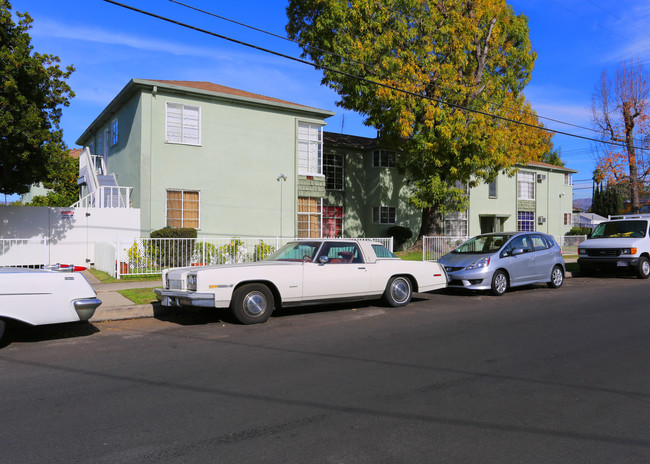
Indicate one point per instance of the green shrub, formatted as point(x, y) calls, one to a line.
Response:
point(177, 249)
point(262, 250)
point(579, 231)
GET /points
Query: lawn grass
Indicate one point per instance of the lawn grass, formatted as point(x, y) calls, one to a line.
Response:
point(104, 278)
point(139, 295)
point(410, 255)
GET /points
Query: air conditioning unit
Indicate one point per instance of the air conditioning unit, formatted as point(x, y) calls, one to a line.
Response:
point(541, 177)
point(541, 219)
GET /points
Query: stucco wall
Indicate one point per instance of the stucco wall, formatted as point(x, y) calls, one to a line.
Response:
point(71, 232)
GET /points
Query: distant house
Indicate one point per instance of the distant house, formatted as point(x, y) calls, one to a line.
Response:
point(591, 220)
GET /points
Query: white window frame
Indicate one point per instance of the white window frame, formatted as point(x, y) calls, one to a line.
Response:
point(339, 221)
point(496, 189)
point(182, 207)
point(338, 171)
point(529, 219)
point(186, 129)
point(568, 178)
point(568, 220)
point(114, 132)
point(382, 215)
point(526, 185)
point(384, 159)
point(304, 218)
point(310, 149)
point(456, 224)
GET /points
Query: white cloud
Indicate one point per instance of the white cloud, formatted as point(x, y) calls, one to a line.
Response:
point(47, 28)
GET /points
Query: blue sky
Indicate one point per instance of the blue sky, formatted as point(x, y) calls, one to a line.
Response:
point(575, 41)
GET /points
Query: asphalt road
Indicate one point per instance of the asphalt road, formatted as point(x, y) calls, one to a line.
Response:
point(535, 376)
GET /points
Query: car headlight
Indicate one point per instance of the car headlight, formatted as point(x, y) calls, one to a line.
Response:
point(628, 251)
point(478, 264)
point(191, 281)
point(582, 252)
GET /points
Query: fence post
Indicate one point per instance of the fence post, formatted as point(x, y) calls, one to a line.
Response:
point(117, 259)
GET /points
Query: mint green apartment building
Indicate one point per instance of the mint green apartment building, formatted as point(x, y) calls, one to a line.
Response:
point(233, 163)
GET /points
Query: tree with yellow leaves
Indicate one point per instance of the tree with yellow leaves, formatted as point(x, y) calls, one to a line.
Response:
point(442, 82)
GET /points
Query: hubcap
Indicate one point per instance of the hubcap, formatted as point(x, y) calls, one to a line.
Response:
point(557, 277)
point(400, 290)
point(646, 268)
point(501, 284)
point(255, 303)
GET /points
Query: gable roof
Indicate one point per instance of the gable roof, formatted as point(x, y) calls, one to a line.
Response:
point(349, 141)
point(550, 167)
point(202, 88)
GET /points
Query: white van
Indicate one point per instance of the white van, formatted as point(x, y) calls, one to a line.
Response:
point(621, 243)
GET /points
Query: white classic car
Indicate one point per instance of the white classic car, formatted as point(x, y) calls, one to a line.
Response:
point(301, 272)
point(45, 296)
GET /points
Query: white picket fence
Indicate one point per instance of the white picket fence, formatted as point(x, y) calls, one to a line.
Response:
point(433, 247)
point(149, 256)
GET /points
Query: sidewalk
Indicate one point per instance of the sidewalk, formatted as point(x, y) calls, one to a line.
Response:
point(115, 306)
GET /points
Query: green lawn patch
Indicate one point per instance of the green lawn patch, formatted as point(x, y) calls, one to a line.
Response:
point(139, 295)
point(410, 255)
point(107, 279)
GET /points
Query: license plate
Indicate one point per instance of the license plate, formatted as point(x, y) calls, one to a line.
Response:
point(621, 263)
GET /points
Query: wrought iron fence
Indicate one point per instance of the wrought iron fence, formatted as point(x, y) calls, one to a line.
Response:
point(143, 256)
point(433, 247)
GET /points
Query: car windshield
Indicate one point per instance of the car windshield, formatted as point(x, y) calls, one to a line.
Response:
point(617, 229)
point(295, 251)
point(482, 244)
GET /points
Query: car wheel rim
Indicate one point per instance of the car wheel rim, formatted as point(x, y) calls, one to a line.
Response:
point(557, 277)
point(500, 283)
point(255, 303)
point(646, 268)
point(400, 290)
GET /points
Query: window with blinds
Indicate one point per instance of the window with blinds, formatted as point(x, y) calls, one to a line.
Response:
point(526, 186)
point(183, 124)
point(309, 217)
point(310, 149)
point(183, 209)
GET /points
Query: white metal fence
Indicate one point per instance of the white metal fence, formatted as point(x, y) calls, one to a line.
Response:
point(24, 252)
point(434, 247)
point(144, 256)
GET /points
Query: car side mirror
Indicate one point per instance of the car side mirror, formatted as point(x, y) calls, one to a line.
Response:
point(323, 259)
point(517, 251)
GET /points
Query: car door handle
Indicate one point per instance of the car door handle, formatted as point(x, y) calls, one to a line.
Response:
point(362, 267)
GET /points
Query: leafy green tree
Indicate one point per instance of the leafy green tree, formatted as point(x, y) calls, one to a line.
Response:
point(553, 157)
point(460, 67)
point(32, 91)
point(62, 183)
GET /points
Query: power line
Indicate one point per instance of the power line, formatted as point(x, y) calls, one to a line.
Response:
point(363, 79)
point(368, 65)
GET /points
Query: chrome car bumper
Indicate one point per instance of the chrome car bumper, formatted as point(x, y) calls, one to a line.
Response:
point(179, 298)
point(86, 307)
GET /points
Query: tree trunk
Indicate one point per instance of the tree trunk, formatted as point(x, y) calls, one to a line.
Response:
point(628, 117)
point(431, 222)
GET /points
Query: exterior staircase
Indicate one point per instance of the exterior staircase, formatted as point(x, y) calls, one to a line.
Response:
point(102, 190)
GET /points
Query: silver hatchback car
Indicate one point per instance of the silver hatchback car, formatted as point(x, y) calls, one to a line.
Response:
point(501, 260)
